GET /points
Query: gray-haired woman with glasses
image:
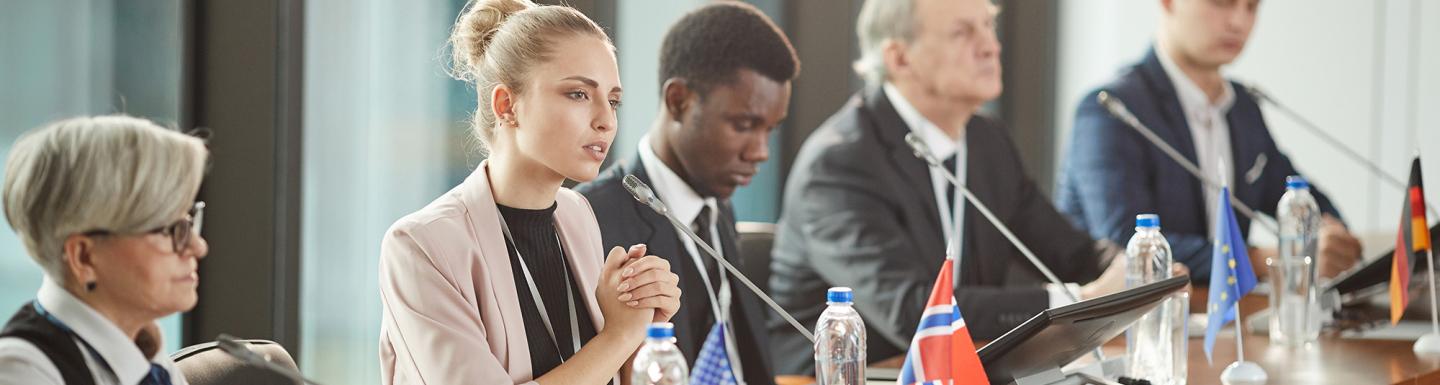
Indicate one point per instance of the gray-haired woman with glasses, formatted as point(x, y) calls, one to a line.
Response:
point(106, 206)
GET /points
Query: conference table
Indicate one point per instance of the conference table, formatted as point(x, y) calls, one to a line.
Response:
point(1334, 360)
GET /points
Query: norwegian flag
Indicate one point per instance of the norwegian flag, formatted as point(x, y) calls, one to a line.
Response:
point(941, 352)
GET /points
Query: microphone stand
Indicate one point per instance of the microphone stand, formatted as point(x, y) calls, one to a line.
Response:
point(1336, 143)
point(923, 152)
point(1118, 109)
point(646, 196)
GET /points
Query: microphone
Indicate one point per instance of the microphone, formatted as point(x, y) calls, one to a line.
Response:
point(1333, 142)
point(923, 152)
point(1119, 111)
point(241, 351)
point(646, 196)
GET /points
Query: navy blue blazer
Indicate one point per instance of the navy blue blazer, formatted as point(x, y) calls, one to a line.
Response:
point(1111, 173)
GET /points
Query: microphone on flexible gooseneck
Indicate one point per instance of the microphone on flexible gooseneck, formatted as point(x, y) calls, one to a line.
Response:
point(922, 151)
point(1333, 142)
point(646, 196)
point(1119, 111)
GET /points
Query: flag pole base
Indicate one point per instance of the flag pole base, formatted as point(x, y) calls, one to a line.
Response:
point(1428, 344)
point(1243, 373)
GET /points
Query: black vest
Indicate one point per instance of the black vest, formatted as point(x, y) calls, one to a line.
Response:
point(57, 344)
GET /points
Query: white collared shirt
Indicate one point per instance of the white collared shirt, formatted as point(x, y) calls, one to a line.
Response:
point(942, 146)
point(22, 363)
point(686, 204)
point(673, 190)
point(1208, 127)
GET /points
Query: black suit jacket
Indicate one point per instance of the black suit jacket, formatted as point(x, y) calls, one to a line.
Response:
point(860, 211)
point(625, 222)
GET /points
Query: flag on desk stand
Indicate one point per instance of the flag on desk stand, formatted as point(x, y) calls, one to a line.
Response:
point(1412, 240)
point(1231, 276)
point(712, 366)
point(942, 352)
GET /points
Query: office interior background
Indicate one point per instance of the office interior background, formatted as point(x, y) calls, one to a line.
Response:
point(333, 118)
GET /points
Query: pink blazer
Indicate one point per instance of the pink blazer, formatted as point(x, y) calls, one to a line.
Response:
point(451, 314)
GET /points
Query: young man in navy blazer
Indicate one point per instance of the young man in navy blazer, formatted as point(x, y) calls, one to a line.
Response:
point(725, 71)
point(1111, 173)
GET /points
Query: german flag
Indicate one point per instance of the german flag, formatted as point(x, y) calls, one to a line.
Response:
point(1411, 242)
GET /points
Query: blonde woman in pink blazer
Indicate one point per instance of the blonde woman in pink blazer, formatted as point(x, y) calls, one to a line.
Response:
point(503, 279)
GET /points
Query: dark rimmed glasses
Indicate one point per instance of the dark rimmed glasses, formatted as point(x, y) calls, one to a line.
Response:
point(179, 231)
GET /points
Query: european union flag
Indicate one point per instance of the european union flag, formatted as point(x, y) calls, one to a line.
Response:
point(1231, 276)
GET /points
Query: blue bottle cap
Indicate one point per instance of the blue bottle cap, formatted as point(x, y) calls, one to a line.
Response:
point(1147, 221)
point(660, 330)
point(1295, 182)
point(839, 295)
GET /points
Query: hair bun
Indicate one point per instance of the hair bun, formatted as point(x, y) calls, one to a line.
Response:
point(474, 31)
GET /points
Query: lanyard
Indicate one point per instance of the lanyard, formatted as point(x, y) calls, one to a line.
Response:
point(535, 292)
point(721, 305)
point(65, 328)
point(951, 211)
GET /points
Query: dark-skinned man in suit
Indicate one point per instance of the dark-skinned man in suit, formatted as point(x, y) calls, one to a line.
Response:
point(725, 71)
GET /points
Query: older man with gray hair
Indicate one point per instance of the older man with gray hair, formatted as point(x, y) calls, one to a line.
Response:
point(106, 206)
point(860, 210)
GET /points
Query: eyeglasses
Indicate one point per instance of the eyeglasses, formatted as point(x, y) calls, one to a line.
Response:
point(178, 231)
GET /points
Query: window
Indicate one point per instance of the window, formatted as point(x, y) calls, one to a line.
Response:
point(61, 59)
point(384, 135)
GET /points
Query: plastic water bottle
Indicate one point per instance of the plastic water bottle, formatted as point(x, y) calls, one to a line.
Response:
point(1150, 343)
point(1179, 307)
point(659, 362)
point(1295, 309)
point(839, 341)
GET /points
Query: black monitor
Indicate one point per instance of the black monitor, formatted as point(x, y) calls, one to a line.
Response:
point(1375, 272)
point(1056, 337)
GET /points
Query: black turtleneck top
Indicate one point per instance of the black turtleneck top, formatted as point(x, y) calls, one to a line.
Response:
point(538, 244)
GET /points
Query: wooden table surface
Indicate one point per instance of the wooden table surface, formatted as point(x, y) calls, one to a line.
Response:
point(1333, 360)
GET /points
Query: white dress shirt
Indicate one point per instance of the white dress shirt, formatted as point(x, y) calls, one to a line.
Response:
point(1208, 128)
point(942, 146)
point(22, 363)
point(686, 205)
